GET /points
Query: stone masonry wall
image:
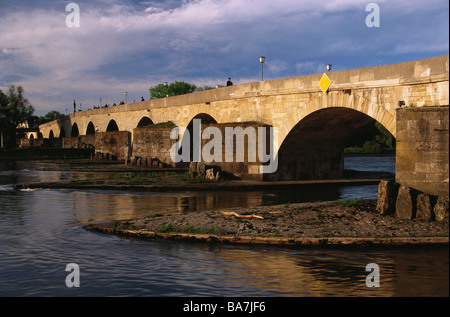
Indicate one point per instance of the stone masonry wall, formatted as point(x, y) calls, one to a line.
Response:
point(246, 168)
point(116, 145)
point(151, 147)
point(422, 159)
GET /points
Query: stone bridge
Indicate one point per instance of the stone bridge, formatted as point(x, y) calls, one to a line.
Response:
point(312, 125)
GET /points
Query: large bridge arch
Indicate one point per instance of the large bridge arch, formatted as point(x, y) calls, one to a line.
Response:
point(313, 148)
point(358, 101)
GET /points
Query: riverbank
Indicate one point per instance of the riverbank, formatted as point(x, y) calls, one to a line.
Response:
point(112, 175)
point(161, 186)
point(336, 223)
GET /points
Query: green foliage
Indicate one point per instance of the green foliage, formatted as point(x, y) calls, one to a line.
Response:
point(372, 147)
point(355, 202)
point(49, 116)
point(167, 124)
point(385, 137)
point(206, 87)
point(373, 138)
point(173, 89)
point(14, 109)
point(169, 227)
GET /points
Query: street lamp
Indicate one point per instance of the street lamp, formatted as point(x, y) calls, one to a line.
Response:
point(166, 91)
point(261, 60)
point(329, 67)
point(126, 93)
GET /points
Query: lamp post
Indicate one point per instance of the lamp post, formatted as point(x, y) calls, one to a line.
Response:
point(329, 67)
point(126, 93)
point(166, 89)
point(261, 60)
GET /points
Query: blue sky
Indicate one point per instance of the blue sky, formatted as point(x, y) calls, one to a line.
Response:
point(133, 45)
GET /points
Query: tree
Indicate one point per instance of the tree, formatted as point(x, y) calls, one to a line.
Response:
point(385, 137)
point(14, 109)
point(206, 87)
point(50, 116)
point(373, 138)
point(35, 121)
point(173, 89)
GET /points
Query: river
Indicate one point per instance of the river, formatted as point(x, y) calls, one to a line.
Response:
point(41, 232)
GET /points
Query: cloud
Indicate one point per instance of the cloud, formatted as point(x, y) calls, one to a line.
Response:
point(130, 46)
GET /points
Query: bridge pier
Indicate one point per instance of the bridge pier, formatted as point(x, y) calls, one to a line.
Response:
point(422, 155)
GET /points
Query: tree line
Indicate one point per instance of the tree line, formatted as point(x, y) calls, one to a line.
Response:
point(15, 108)
point(174, 89)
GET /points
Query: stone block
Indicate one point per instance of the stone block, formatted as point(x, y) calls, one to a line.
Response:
point(424, 207)
point(387, 196)
point(405, 205)
point(441, 209)
point(210, 174)
point(201, 169)
point(192, 169)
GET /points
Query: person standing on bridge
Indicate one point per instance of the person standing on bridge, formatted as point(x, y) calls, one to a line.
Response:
point(229, 82)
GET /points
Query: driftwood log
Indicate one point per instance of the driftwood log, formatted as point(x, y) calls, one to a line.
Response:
point(232, 213)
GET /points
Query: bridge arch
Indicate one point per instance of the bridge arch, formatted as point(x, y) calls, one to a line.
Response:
point(74, 132)
point(145, 121)
point(112, 126)
point(313, 147)
point(90, 128)
point(205, 119)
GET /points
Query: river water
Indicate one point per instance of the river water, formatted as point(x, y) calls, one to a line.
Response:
point(41, 232)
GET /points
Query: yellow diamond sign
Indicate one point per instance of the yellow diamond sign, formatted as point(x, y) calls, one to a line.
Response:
point(324, 82)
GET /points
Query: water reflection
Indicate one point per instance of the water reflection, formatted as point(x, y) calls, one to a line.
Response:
point(100, 205)
point(40, 232)
point(311, 273)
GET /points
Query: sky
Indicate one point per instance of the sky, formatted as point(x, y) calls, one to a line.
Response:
point(130, 46)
